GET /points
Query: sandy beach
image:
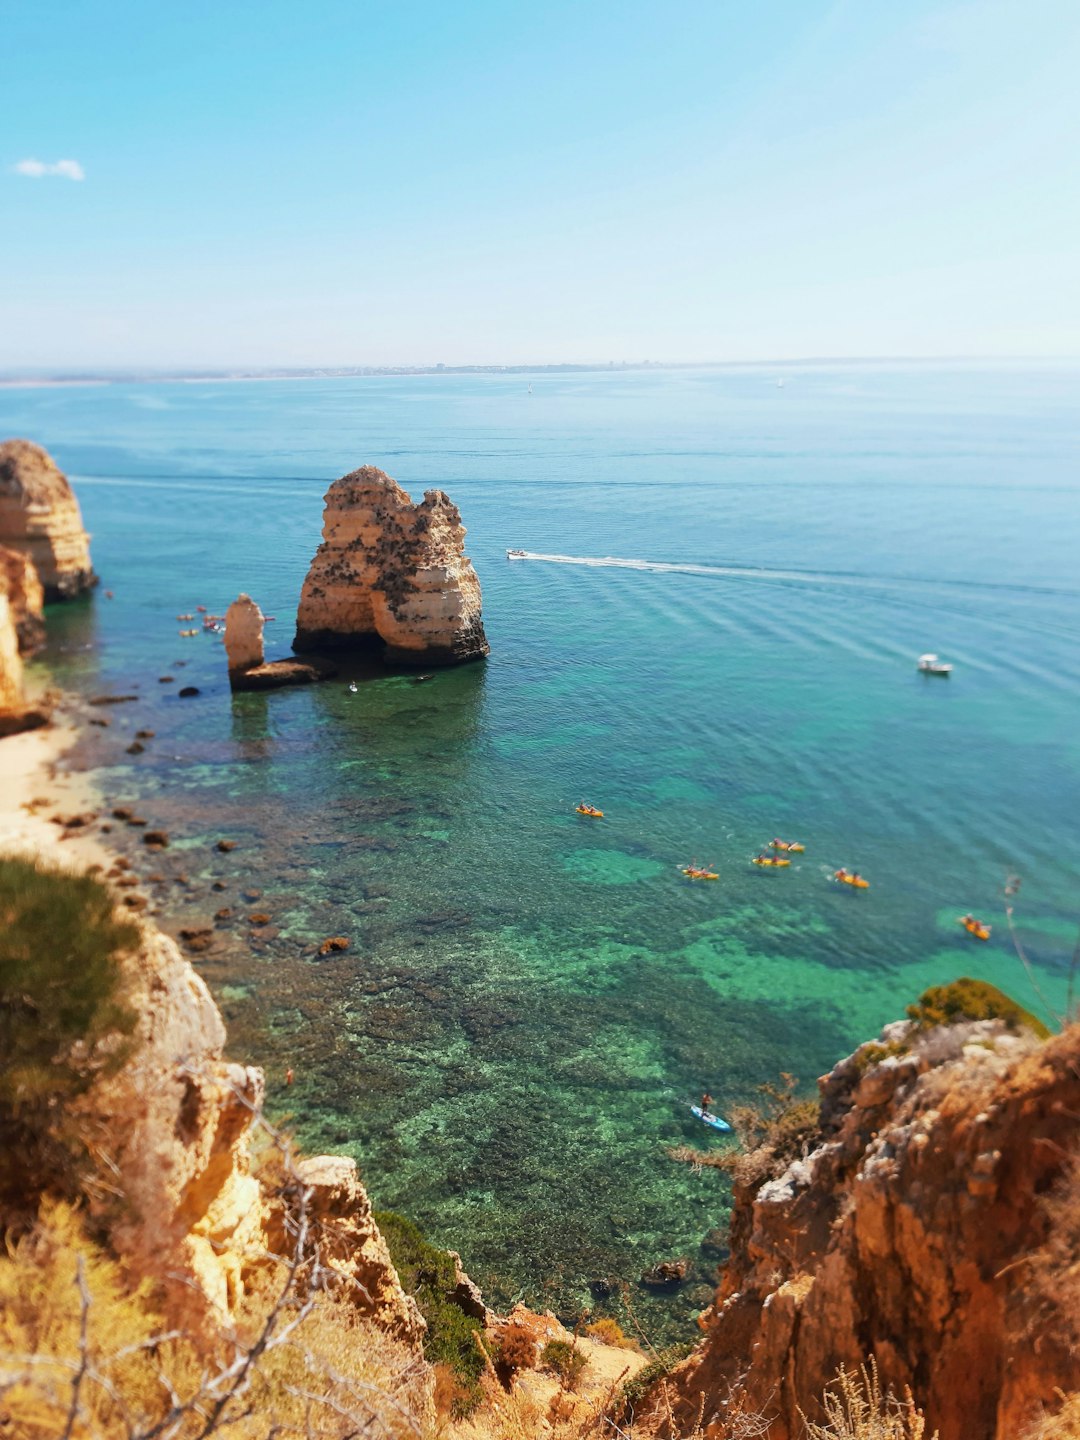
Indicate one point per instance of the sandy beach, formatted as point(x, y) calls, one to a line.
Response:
point(33, 789)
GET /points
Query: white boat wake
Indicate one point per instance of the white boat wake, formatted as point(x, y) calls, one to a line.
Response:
point(670, 567)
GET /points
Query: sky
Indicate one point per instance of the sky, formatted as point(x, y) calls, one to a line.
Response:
point(261, 183)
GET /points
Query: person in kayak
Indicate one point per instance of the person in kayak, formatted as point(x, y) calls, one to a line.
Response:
point(706, 1101)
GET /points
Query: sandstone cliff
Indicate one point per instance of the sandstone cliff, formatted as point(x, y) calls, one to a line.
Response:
point(19, 594)
point(175, 1137)
point(913, 1230)
point(11, 671)
point(393, 572)
point(39, 516)
point(26, 598)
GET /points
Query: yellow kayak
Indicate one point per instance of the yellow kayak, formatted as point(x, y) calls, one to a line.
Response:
point(856, 880)
point(975, 927)
point(693, 874)
point(590, 810)
point(774, 860)
point(792, 845)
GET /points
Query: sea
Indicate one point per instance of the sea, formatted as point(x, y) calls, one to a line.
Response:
point(731, 575)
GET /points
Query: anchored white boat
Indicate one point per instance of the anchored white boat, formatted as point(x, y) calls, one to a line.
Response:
point(931, 665)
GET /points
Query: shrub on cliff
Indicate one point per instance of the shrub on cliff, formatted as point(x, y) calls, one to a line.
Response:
point(63, 1017)
point(967, 999)
point(772, 1132)
point(429, 1275)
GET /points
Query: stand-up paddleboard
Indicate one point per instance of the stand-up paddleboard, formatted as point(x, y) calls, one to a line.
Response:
point(709, 1118)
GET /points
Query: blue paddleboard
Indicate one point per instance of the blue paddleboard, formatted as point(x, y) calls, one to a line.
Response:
point(709, 1119)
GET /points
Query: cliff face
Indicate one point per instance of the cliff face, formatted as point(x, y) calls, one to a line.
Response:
point(391, 571)
point(175, 1127)
point(26, 598)
point(912, 1232)
point(11, 671)
point(39, 516)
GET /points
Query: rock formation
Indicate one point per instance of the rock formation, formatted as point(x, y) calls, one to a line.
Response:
point(914, 1230)
point(393, 572)
point(175, 1128)
point(15, 713)
point(39, 516)
point(26, 598)
point(248, 670)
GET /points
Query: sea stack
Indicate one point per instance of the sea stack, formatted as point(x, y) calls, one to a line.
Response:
point(39, 516)
point(15, 714)
point(243, 635)
point(391, 576)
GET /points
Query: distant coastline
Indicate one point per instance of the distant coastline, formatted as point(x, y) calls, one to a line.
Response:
point(16, 380)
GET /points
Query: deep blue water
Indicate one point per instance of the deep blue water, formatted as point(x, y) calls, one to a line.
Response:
point(531, 998)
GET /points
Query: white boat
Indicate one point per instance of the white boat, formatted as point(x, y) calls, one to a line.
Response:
point(516, 554)
point(931, 665)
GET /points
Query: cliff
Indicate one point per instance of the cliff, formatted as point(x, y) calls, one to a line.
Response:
point(40, 517)
point(933, 1223)
point(26, 598)
point(175, 1132)
point(393, 575)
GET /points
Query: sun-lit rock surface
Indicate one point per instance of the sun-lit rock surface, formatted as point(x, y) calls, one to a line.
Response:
point(393, 572)
point(40, 516)
point(26, 598)
point(912, 1230)
point(244, 623)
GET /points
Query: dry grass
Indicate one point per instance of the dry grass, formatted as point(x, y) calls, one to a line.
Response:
point(856, 1408)
point(1064, 1425)
point(85, 1355)
point(1049, 1296)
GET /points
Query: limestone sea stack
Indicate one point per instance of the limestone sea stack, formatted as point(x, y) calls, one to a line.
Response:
point(248, 669)
point(39, 516)
point(391, 575)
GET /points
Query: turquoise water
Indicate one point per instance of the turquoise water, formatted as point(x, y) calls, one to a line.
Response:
point(531, 998)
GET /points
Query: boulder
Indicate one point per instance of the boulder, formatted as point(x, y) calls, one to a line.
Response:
point(39, 516)
point(391, 576)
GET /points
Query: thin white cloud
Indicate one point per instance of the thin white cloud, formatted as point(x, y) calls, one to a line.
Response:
point(68, 169)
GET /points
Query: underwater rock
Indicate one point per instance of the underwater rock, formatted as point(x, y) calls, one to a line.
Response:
point(39, 516)
point(666, 1274)
point(277, 673)
point(394, 572)
point(334, 944)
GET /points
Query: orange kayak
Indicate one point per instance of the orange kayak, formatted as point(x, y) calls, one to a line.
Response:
point(590, 810)
point(975, 927)
point(774, 860)
point(693, 874)
point(856, 880)
point(794, 846)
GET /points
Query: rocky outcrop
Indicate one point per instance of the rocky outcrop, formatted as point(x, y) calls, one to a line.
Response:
point(173, 1132)
point(248, 670)
point(244, 623)
point(26, 598)
point(15, 713)
point(39, 516)
point(391, 575)
point(912, 1231)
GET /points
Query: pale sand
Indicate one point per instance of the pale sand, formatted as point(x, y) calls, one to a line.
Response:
point(28, 774)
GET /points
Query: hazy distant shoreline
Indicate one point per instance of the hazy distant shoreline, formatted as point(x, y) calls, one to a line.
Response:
point(346, 372)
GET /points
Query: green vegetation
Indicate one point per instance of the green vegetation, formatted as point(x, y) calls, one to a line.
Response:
point(563, 1359)
point(427, 1274)
point(870, 1055)
point(63, 1018)
point(967, 999)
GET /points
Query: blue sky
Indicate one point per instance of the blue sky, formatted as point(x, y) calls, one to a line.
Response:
point(413, 181)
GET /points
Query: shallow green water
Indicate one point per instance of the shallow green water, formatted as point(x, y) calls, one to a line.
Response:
point(531, 997)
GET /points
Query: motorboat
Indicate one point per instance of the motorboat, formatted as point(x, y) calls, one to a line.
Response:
point(931, 665)
point(516, 554)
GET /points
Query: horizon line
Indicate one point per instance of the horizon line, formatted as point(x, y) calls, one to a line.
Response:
point(150, 374)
